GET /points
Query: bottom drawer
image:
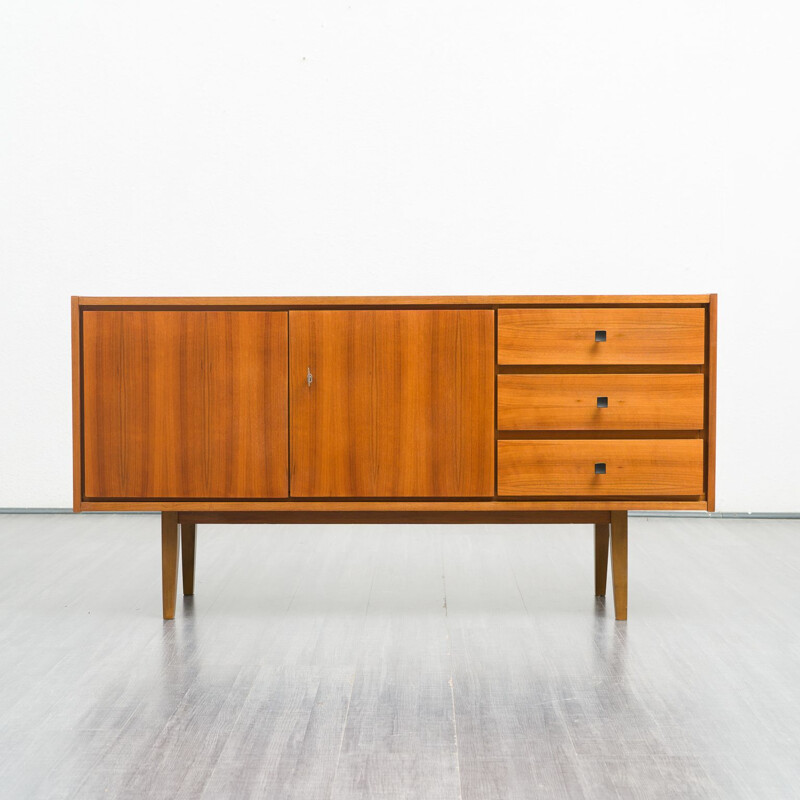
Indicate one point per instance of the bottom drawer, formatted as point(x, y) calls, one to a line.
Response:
point(600, 467)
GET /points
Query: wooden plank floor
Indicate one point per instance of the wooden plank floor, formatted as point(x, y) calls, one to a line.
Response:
point(429, 662)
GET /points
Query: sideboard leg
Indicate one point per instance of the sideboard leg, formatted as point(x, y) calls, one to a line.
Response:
point(601, 538)
point(619, 562)
point(188, 547)
point(169, 561)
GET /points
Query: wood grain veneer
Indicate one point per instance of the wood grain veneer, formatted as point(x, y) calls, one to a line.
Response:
point(185, 404)
point(77, 406)
point(369, 517)
point(388, 507)
point(570, 402)
point(400, 403)
point(633, 336)
point(567, 467)
point(711, 401)
point(359, 301)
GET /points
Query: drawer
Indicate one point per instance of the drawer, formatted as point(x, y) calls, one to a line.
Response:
point(600, 402)
point(601, 336)
point(559, 467)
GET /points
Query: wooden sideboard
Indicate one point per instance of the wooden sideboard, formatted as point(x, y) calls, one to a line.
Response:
point(518, 409)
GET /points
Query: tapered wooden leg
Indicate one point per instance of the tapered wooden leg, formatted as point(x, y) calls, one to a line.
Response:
point(601, 537)
point(619, 562)
point(169, 561)
point(188, 545)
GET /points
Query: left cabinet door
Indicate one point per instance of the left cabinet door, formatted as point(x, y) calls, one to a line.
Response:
point(185, 404)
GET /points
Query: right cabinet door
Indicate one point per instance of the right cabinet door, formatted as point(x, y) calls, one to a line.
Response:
point(391, 403)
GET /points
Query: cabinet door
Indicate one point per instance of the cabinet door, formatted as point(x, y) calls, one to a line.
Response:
point(185, 404)
point(400, 403)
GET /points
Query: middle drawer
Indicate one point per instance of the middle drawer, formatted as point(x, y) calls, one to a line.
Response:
point(600, 402)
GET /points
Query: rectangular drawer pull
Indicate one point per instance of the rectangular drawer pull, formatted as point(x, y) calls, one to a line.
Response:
point(602, 402)
point(599, 336)
point(600, 468)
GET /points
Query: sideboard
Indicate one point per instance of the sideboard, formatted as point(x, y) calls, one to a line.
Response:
point(500, 409)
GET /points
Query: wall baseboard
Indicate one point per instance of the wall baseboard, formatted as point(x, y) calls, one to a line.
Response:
point(688, 514)
point(720, 514)
point(66, 511)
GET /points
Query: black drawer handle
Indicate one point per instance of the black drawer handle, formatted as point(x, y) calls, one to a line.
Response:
point(602, 402)
point(600, 468)
point(599, 336)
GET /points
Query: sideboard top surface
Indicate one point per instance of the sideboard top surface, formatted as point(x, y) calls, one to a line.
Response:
point(411, 300)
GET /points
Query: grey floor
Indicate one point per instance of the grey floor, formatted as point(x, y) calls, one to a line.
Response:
point(398, 662)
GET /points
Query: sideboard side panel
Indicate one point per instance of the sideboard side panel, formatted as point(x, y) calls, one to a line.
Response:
point(711, 399)
point(77, 433)
point(185, 404)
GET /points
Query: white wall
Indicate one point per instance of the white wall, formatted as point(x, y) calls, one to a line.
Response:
point(410, 147)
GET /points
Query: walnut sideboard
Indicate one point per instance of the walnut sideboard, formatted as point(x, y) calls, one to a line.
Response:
point(394, 409)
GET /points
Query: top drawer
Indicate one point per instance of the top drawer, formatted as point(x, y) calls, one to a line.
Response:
point(601, 336)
